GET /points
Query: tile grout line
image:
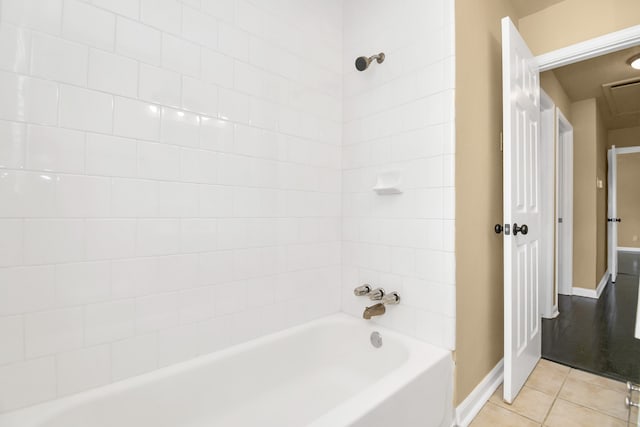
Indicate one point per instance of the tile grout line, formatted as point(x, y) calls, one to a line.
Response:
point(555, 398)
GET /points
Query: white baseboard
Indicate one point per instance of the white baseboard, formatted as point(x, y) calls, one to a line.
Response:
point(593, 293)
point(627, 249)
point(469, 408)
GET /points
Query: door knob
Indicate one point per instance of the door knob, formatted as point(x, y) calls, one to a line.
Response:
point(520, 229)
point(498, 228)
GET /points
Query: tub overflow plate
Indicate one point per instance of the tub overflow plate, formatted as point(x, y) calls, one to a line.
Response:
point(376, 339)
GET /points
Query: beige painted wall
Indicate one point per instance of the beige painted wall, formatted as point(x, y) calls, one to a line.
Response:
point(573, 21)
point(584, 193)
point(628, 137)
point(628, 184)
point(554, 89)
point(479, 293)
point(601, 197)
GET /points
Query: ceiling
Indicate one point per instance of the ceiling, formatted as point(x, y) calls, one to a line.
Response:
point(585, 80)
point(527, 7)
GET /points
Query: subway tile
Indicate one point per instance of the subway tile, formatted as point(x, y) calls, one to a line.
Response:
point(134, 356)
point(158, 161)
point(109, 321)
point(111, 156)
point(199, 28)
point(178, 344)
point(180, 55)
point(15, 48)
point(85, 109)
point(199, 235)
point(113, 73)
point(34, 14)
point(162, 14)
point(215, 268)
point(199, 97)
point(156, 312)
point(233, 42)
point(178, 200)
point(215, 201)
point(53, 241)
point(196, 305)
point(135, 119)
point(27, 383)
point(222, 9)
point(82, 283)
point(50, 332)
point(158, 237)
point(233, 105)
point(230, 298)
point(180, 127)
point(138, 41)
point(26, 99)
point(11, 247)
point(88, 25)
point(82, 196)
point(12, 338)
point(83, 369)
point(216, 135)
point(199, 166)
point(110, 238)
point(133, 277)
point(160, 86)
point(217, 68)
point(13, 148)
point(26, 289)
point(131, 198)
point(55, 149)
point(176, 272)
point(27, 194)
point(128, 8)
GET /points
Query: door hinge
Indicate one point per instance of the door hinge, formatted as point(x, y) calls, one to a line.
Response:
point(501, 141)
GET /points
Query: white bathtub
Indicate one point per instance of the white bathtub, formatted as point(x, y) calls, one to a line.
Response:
point(323, 374)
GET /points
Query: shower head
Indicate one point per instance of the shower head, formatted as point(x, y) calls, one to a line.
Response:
point(362, 63)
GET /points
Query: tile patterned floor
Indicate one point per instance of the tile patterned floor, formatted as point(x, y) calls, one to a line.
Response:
point(558, 396)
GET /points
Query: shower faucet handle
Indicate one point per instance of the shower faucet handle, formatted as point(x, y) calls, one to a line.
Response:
point(363, 290)
point(391, 298)
point(376, 294)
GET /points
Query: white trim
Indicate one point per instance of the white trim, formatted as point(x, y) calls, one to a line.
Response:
point(588, 49)
point(627, 249)
point(469, 408)
point(564, 141)
point(547, 202)
point(637, 335)
point(593, 293)
point(627, 150)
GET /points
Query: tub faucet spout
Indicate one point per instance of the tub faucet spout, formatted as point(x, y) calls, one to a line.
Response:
point(374, 310)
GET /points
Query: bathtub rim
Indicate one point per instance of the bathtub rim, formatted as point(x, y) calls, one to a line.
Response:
point(421, 357)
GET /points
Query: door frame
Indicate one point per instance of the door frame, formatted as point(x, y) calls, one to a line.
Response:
point(613, 189)
point(591, 48)
point(564, 138)
point(548, 309)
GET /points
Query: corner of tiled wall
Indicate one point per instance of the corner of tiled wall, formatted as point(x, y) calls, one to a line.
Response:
point(399, 116)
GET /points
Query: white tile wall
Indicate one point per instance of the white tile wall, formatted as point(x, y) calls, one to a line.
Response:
point(180, 176)
point(169, 177)
point(399, 117)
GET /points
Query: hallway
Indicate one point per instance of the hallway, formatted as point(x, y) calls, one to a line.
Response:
point(598, 335)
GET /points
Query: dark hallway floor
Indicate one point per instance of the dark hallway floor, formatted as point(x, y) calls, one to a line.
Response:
point(598, 335)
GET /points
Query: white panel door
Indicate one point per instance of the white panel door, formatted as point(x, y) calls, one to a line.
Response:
point(612, 238)
point(522, 210)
